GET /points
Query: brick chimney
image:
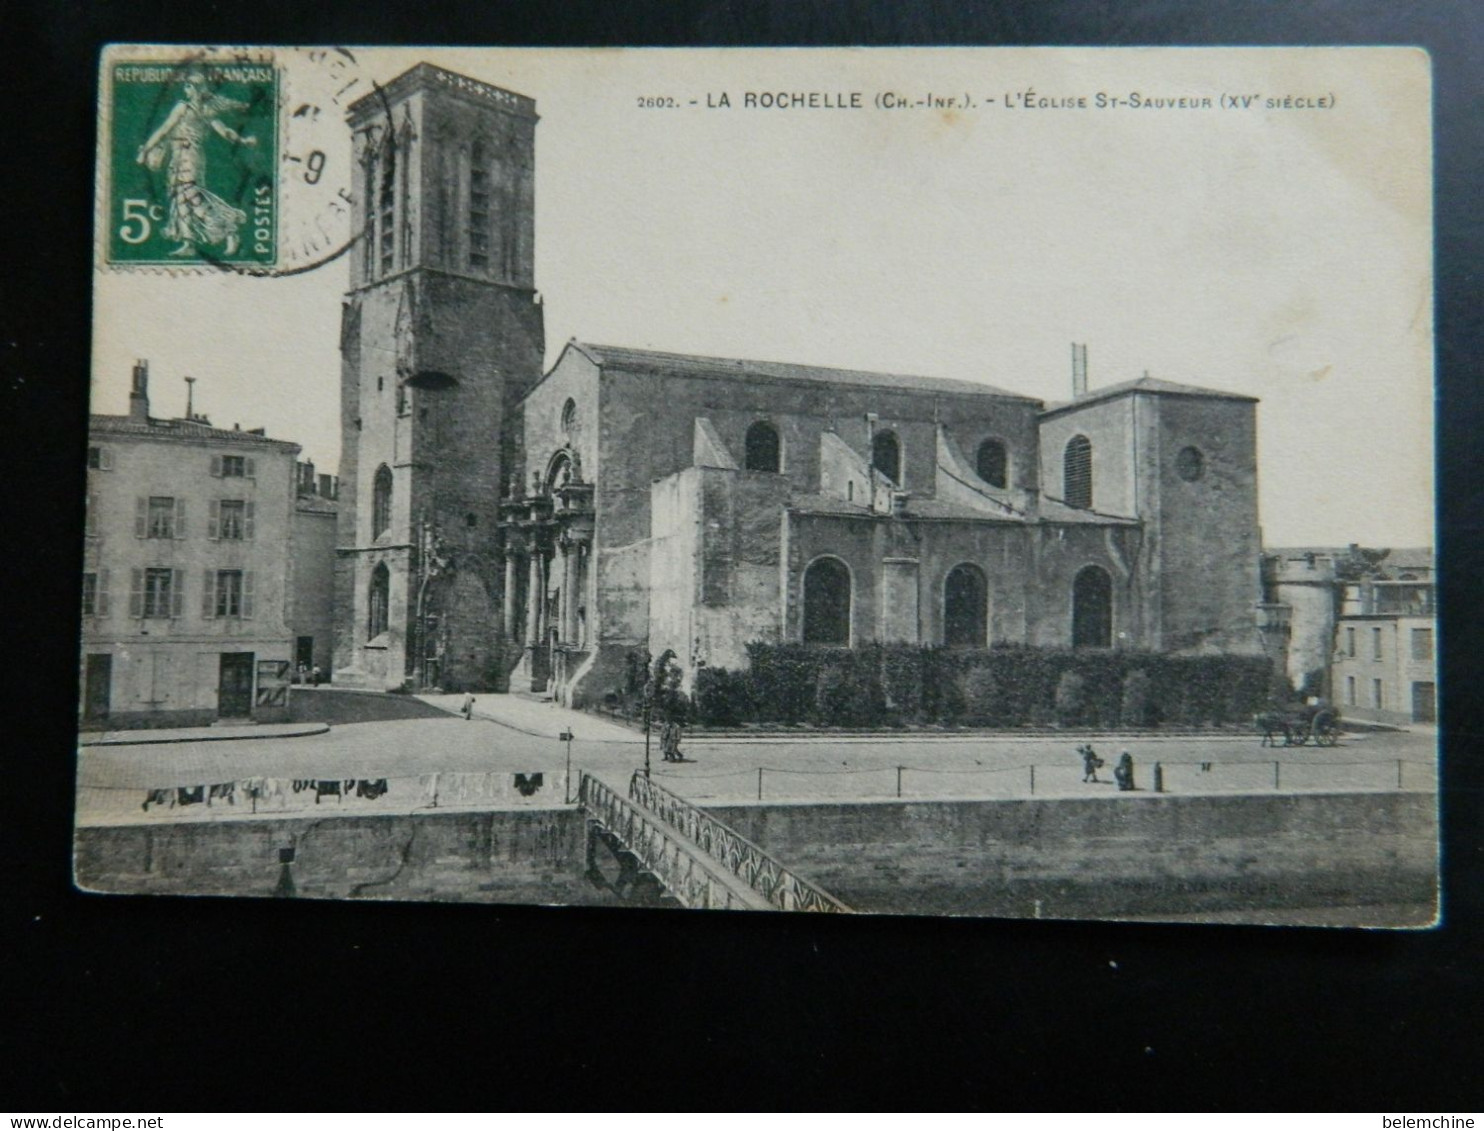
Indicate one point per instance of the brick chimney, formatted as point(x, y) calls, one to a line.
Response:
point(139, 393)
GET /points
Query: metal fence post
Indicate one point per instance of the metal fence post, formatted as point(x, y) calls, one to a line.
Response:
point(759, 783)
point(1277, 775)
point(1033, 779)
point(899, 780)
point(1398, 773)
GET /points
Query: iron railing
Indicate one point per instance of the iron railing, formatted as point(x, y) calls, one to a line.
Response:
point(783, 889)
point(684, 871)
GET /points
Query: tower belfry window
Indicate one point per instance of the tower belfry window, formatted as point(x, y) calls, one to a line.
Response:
point(387, 202)
point(1077, 473)
point(479, 208)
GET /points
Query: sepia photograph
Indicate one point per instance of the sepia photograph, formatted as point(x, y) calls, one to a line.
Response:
point(988, 482)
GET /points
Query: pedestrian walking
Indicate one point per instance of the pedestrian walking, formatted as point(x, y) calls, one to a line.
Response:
point(1123, 773)
point(1090, 762)
point(467, 710)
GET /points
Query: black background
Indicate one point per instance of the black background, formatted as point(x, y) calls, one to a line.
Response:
point(141, 1004)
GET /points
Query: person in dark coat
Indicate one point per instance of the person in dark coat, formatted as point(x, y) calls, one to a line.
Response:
point(1090, 762)
point(1123, 773)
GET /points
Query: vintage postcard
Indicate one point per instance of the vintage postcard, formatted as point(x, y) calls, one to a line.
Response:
point(984, 482)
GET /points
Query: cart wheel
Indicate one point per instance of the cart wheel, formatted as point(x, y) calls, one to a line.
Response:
point(1326, 730)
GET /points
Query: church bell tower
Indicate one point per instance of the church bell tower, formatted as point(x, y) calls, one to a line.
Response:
point(441, 336)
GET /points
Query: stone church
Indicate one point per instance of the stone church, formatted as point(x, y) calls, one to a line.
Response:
point(505, 527)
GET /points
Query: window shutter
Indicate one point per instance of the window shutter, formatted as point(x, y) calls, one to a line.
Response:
point(177, 592)
point(247, 594)
point(252, 468)
point(208, 594)
point(141, 516)
point(213, 520)
point(216, 467)
point(136, 593)
point(105, 459)
point(247, 521)
point(100, 599)
point(180, 529)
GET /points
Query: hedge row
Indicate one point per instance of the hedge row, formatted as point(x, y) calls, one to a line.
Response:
point(1005, 686)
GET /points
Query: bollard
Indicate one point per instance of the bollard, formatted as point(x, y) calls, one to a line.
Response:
point(1159, 777)
point(759, 783)
point(1033, 779)
point(1398, 773)
point(899, 781)
point(285, 888)
point(1277, 775)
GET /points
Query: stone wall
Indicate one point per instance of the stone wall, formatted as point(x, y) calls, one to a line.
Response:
point(1109, 857)
point(506, 857)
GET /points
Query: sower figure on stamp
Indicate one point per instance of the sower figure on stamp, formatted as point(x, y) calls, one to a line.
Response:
point(197, 215)
point(1090, 762)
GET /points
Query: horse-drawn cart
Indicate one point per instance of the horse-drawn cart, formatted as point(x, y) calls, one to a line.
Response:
point(1298, 724)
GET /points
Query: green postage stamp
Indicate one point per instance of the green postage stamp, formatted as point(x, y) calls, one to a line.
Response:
point(191, 161)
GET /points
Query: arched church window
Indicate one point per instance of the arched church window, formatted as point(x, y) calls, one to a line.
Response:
point(991, 463)
point(381, 501)
point(762, 449)
point(827, 602)
point(1077, 473)
point(569, 419)
point(965, 608)
point(379, 599)
point(1092, 609)
point(886, 455)
point(479, 208)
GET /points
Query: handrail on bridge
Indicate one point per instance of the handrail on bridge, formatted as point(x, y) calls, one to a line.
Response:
point(682, 867)
point(784, 889)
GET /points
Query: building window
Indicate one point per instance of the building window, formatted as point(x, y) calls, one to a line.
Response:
point(232, 520)
point(100, 459)
point(1350, 697)
point(965, 608)
point(1422, 644)
point(90, 594)
point(1077, 473)
point(1375, 643)
point(233, 467)
point(1092, 609)
point(827, 602)
point(1350, 642)
point(479, 208)
point(381, 501)
point(1377, 697)
point(160, 592)
point(762, 448)
point(991, 463)
point(381, 582)
point(886, 455)
point(161, 521)
point(569, 419)
point(229, 593)
point(1190, 464)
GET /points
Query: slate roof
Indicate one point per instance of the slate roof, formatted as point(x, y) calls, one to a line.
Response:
point(694, 365)
point(1153, 385)
point(185, 430)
